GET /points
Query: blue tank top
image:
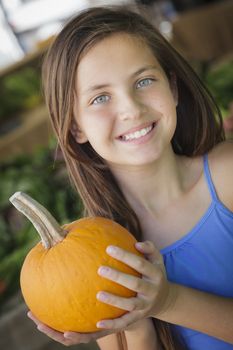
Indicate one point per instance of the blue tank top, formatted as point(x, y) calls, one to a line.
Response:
point(203, 259)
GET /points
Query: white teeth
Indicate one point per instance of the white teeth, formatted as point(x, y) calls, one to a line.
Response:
point(137, 134)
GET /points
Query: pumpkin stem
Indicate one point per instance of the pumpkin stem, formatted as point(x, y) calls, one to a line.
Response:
point(48, 228)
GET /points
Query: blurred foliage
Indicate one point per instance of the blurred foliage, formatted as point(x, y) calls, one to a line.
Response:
point(220, 82)
point(19, 91)
point(46, 181)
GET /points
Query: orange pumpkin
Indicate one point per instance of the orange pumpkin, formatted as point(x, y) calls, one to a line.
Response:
point(59, 279)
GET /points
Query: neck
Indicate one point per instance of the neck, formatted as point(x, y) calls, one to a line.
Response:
point(153, 187)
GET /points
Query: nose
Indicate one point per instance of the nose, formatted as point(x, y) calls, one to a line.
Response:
point(130, 107)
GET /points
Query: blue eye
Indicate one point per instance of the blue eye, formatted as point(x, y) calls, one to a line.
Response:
point(101, 99)
point(144, 82)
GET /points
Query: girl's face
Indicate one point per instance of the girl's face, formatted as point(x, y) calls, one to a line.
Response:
point(125, 106)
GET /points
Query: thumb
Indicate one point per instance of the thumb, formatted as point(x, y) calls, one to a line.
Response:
point(150, 251)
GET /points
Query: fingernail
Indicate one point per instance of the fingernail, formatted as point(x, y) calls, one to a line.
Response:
point(103, 270)
point(100, 324)
point(112, 249)
point(139, 244)
point(101, 296)
point(68, 335)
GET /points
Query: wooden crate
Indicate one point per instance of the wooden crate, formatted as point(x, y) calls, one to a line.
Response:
point(35, 130)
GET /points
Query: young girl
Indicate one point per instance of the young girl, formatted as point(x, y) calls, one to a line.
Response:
point(143, 143)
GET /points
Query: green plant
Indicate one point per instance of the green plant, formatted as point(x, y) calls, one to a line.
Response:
point(41, 177)
point(19, 91)
point(220, 82)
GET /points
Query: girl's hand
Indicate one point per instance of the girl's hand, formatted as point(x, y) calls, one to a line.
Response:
point(68, 338)
point(154, 291)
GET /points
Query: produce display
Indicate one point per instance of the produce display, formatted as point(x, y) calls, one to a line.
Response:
point(59, 278)
point(41, 177)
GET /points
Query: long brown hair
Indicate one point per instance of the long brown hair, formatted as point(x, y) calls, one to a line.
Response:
point(199, 123)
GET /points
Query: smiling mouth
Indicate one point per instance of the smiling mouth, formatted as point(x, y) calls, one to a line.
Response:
point(137, 134)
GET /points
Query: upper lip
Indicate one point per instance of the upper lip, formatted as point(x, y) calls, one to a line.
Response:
point(136, 128)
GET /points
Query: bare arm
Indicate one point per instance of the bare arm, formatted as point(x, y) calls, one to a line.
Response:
point(109, 342)
point(204, 312)
point(159, 298)
point(141, 336)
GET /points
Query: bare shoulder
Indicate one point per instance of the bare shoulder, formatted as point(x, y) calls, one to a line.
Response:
point(221, 157)
point(221, 168)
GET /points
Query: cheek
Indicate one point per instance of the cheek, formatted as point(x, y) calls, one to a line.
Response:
point(97, 126)
point(167, 104)
point(88, 119)
point(103, 117)
point(160, 99)
point(161, 106)
point(166, 108)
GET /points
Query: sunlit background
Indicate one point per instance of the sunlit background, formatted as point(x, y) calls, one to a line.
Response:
point(30, 161)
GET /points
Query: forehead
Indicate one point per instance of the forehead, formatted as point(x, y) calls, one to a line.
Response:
point(118, 51)
point(117, 40)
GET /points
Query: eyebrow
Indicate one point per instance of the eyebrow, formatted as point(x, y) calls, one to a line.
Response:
point(143, 69)
point(138, 72)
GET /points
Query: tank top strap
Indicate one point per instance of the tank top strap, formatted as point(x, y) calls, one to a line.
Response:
point(209, 179)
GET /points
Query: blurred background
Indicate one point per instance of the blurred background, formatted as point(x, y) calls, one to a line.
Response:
point(202, 30)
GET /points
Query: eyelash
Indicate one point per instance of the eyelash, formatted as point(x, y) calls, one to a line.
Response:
point(150, 80)
point(144, 79)
point(94, 101)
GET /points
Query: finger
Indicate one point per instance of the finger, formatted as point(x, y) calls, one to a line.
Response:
point(33, 318)
point(138, 263)
point(128, 304)
point(85, 337)
point(68, 338)
point(121, 322)
point(152, 253)
point(53, 334)
point(71, 338)
point(131, 282)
